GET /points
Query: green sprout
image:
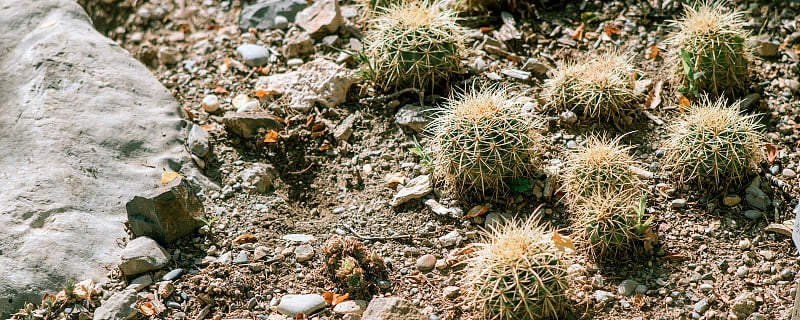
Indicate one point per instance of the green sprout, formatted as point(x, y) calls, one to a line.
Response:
point(691, 75)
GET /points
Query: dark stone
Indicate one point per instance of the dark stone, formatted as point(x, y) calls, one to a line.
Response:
point(262, 14)
point(247, 124)
point(168, 215)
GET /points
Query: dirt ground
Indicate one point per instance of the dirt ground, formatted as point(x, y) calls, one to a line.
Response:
point(707, 252)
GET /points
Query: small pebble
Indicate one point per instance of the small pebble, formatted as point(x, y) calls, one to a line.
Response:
point(742, 271)
point(426, 262)
point(172, 275)
point(731, 200)
point(789, 173)
point(678, 203)
point(210, 103)
point(752, 214)
point(627, 287)
point(705, 287)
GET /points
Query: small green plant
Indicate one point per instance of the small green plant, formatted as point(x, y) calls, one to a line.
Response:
point(612, 230)
point(425, 160)
point(602, 87)
point(414, 44)
point(522, 186)
point(207, 222)
point(479, 139)
point(69, 287)
point(709, 41)
point(713, 144)
point(600, 167)
point(691, 76)
point(517, 273)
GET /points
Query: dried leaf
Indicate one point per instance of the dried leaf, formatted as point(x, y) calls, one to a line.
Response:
point(147, 308)
point(476, 211)
point(328, 296)
point(240, 100)
point(338, 298)
point(210, 127)
point(612, 30)
point(779, 228)
point(684, 103)
point(486, 29)
point(325, 146)
point(167, 177)
point(260, 93)
point(771, 153)
point(83, 290)
point(220, 90)
point(653, 54)
point(245, 238)
point(49, 298)
point(395, 178)
point(300, 316)
point(650, 239)
point(563, 243)
point(271, 137)
point(61, 296)
point(578, 34)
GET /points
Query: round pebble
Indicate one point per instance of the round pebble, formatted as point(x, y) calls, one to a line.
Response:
point(789, 173)
point(426, 262)
point(210, 103)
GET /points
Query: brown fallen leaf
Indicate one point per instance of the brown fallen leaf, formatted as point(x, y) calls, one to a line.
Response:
point(220, 90)
point(650, 239)
point(168, 176)
point(653, 54)
point(245, 238)
point(683, 103)
point(563, 243)
point(147, 308)
point(260, 93)
point(779, 228)
point(48, 299)
point(771, 153)
point(210, 127)
point(612, 30)
point(83, 290)
point(339, 298)
point(271, 137)
point(476, 211)
point(578, 34)
point(395, 178)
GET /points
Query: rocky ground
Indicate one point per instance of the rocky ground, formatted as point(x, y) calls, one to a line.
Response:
point(330, 169)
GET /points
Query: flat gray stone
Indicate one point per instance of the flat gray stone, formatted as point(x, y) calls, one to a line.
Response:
point(141, 255)
point(199, 141)
point(413, 117)
point(258, 178)
point(321, 18)
point(292, 304)
point(84, 127)
point(121, 305)
point(392, 308)
point(415, 188)
point(304, 253)
point(319, 81)
point(755, 197)
point(627, 287)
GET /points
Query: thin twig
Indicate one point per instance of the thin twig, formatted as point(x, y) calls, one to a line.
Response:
point(304, 170)
point(349, 228)
point(419, 92)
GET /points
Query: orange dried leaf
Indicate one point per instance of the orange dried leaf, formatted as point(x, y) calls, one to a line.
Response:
point(325, 146)
point(338, 298)
point(245, 238)
point(271, 137)
point(395, 178)
point(48, 298)
point(771, 153)
point(167, 177)
point(612, 30)
point(83, 290)
point(147, 308)
point(578, 34)
point(486, 29)
point(328, 296)
point(476, 211)
point(653, 53)
point(300, 316)
point(563, 243)
point(684, 103)
point(220, 90)
point(210, 127)
point(260, 93)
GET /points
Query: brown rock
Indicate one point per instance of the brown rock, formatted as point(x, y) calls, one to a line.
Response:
point(322, 18)
point(247, 124)
point(168, 214)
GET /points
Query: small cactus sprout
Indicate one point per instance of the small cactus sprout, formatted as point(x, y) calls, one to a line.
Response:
point(481, 138)
point(600, 167)
point(351, 264)
point(612, 230)
point(603, 87)
point(713, 144)
point(709, 51)
point(518, 273)
point(413, 44)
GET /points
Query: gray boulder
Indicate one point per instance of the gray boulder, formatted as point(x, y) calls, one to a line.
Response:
point(84, 127)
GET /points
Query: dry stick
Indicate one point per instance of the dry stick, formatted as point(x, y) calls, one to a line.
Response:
point(419, 92)
point(349, 228)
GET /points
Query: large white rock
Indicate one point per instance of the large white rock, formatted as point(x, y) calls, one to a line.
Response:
point(84, 127)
